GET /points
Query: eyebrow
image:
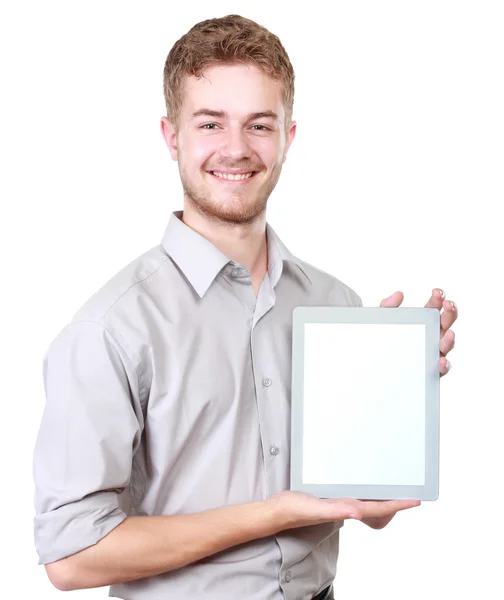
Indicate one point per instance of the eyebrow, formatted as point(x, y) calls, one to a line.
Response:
point(220, 114)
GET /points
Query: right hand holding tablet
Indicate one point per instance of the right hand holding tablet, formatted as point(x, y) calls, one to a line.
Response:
point(298, 509)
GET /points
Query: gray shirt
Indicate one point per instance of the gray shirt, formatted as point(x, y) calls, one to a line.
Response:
point(169, 393)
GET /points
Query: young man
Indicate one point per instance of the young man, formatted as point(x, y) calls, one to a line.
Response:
point(162, 460)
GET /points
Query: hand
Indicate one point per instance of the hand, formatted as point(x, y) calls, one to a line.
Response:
point(297, 509)
point(448, 317)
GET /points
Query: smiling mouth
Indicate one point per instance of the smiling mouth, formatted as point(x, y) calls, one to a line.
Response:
point(233, 177)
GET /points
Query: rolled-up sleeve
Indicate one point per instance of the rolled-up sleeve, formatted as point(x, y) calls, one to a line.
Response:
point(90, 427)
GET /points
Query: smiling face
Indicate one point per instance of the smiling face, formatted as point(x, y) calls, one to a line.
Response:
point(231, 141)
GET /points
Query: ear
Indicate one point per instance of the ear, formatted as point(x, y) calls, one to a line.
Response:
point(290, 137)
point(170, 137)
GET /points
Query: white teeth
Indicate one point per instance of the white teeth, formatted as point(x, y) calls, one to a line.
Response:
point(232, 177)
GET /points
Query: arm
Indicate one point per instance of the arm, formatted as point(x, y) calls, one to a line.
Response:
point(145, 546)
point(90, 429)
point(149, 545)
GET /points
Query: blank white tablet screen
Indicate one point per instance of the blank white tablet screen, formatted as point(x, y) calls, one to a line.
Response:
point(364, 404)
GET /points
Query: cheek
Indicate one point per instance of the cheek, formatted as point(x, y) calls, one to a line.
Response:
point(272, 157)
point(204, 146)
point(196, 152)
point(269, 151)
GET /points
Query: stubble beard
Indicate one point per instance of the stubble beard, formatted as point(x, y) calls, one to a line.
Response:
point(234, 211)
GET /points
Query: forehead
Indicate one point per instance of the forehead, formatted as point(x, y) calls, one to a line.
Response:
point(236, 89)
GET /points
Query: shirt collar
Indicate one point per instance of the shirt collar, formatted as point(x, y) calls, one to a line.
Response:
point(200, 261)
point(277, 249)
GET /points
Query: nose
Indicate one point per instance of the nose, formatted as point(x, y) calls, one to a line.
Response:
point(235, 146)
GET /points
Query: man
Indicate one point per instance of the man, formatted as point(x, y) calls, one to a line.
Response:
point(162, 460)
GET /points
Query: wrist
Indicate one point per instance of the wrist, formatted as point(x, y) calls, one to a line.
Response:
point(275, 518)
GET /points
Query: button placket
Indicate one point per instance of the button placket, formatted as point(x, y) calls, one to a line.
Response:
point(239, 280)
point(261, 407)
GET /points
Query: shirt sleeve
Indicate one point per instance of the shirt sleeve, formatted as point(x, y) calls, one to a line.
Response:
point(90, 427)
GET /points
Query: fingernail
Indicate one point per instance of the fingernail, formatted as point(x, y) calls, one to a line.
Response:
point(453, 304)
point(441, 292)
point(448, 365)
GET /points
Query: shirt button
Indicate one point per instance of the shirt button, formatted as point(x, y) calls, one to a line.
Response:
point(267, 382)
point(274, 450)
point(288, 576)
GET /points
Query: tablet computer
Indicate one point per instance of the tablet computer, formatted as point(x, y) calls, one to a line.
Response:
point(365, 402)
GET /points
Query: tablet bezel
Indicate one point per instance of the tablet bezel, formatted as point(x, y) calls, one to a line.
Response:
point(430, 317)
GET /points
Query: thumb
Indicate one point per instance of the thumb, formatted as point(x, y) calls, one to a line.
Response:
point(392, 301)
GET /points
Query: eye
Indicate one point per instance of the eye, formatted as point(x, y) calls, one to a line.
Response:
point(208, 126)
point(263, 128)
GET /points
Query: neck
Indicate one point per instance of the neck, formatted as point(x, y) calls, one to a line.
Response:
point(245, 243)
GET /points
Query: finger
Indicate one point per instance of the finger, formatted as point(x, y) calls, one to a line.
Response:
point(447, 342)
point(392, 301)
point(346, 508)
point(449, 315)
point(372, 508)
point(436, 299)
point(444, 366)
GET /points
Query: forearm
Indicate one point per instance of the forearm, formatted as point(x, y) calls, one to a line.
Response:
point(145, 546)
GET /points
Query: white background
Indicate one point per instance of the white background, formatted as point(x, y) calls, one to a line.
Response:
point(394, 182)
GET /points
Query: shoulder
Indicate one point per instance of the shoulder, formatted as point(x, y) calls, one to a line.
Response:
point(108, 330)
point(330, 287)
point(124, 288)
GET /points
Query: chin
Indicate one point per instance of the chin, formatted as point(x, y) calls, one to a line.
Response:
point(232, 211)
point(239, 214)
point(226, 206)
